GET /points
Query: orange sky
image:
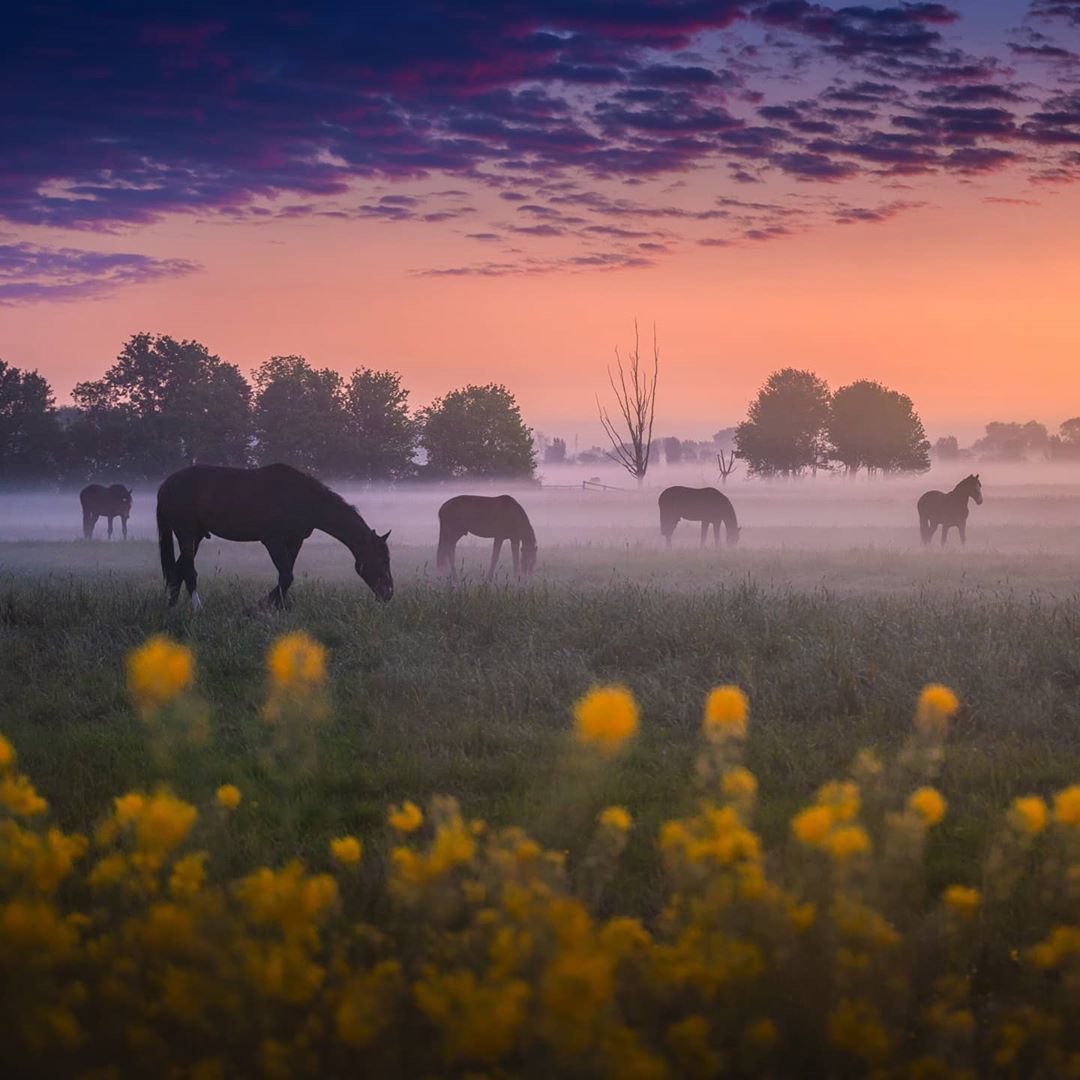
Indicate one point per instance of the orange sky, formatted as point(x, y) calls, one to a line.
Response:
point(970, 308)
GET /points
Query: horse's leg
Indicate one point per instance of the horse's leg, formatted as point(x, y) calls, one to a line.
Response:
point(283, 553)
point(185, 565)
point(87, 525)
point(945, 526)
point(704, 532)
point(515, 555)
point(961, 528)
point(93, 522)
point(110, 526)
point(123, 525)
point(496, 548)
point(716, 533)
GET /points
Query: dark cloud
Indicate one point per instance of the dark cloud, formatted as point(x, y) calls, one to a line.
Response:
point(29, 272)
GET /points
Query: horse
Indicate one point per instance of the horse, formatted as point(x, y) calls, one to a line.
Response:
point(707, 505)
point(500, 517)
point(948, 509)
point(276, 505)
point(108, 502)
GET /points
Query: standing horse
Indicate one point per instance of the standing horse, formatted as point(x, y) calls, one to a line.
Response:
point(276, 505)
point(938, 508)
point(707, 505)
point(499, 517)
point(108, 502)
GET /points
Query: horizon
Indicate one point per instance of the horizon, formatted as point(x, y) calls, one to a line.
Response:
point(886, 192)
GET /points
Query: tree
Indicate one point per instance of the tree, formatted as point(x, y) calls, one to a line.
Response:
point(30, 437)
point(162, 405)
point(673, 452)
point(300, 415)
point(1012, 441)
point(875, 428)
point(555, 454)
point(477, 431)
point(1070, 432)
point(380, 433)
point(784, 432)
point(637, 404)
point(947, 448)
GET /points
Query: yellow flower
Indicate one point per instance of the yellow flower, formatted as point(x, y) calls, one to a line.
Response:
point(188, 875)
point(17, 794)
point(812, 825)
point(848, 841)
point(346, 850)
point(929, 804)
point(842, 798)
point(726, 710)
point(963, 900)
point(762, 1034)
point(406, 818)
point(163, 823)
point(615, 817)
point(1029, 814)
point(128, 807)
point(296, 661)
point(855, 1026)
point(937, 704)
point(1067, 806)
point(7, 754)
point(739, 783)
point(1062, 944)
point(159, 671)
point(228, 795)
point(606, 717)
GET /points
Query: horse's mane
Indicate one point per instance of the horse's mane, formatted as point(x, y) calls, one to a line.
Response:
point(318, 488)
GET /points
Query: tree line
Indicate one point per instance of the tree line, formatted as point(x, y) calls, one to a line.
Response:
point(165, 404)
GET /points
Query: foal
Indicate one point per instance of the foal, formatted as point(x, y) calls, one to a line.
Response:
point(948, 510)
point(107, 502)
point(500, 517)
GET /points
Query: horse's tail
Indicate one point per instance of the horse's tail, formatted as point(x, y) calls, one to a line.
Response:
point(165, 545)
point(731, 526)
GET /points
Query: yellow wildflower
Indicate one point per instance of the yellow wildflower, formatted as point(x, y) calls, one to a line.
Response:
point(739, 783)
point(615, 817)
point(128, 807)
point(688, 1040)
point(159, 671)
point(228, 795)
point(726, 710)
point(17, 794)
point(1029, 814)
point(848, 841)
point(1067, 806)
point(963, 900)
point(1062, 944)
point(761, 1034)
point(296, 661)
point(842, 798)
point(346, 850)
point(7, 754)
point(606, 717)
point(406, 818)
point(802, 916)
point(164, 822)
point(812, 825)
point(188, 875)
point(855, 1026)
point(937, 705)
point(929, 804)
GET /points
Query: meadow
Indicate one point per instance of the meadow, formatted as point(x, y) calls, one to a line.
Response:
point(831, 624)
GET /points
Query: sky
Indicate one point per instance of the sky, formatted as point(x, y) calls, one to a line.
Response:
point(497, 191)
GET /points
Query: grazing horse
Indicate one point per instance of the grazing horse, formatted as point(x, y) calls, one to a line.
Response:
point(108, 502)
point(948, 509)
point(707, 505)
point(499, 517)
point(276, 505)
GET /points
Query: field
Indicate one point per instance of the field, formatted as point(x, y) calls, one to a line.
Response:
point(829, 615)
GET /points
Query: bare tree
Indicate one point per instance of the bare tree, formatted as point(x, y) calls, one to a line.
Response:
point(635, 393)
point(726, 463)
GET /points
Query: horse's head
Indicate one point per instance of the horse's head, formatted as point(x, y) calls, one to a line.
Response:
point(374, 567)
point(123, 498)
point(733, 535)
point(528, 556)
point(975, 488)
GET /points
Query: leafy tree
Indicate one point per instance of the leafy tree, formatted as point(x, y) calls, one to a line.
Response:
point(555, 452)
point(30, 437)
point(785, 429)
point(300, 415)
point(165, 404)
point(673, 451)
point(1070, 431)
point(875, 428)
point(477, 431)
point(381, 435)
point(1012, 441)
point(947, 448)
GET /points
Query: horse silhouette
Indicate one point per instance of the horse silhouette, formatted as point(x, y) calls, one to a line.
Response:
point(276, 505)
point(500, 517)
point(107, 502)
point(707, 505)
point(948, 509)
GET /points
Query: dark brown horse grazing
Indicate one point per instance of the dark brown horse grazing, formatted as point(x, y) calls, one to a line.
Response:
point(500, 517)
point(107, 502)
point(277, 505)
point(707, 505)
point(948, 509)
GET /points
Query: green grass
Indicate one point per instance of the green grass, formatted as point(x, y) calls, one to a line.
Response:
point(467, 692)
